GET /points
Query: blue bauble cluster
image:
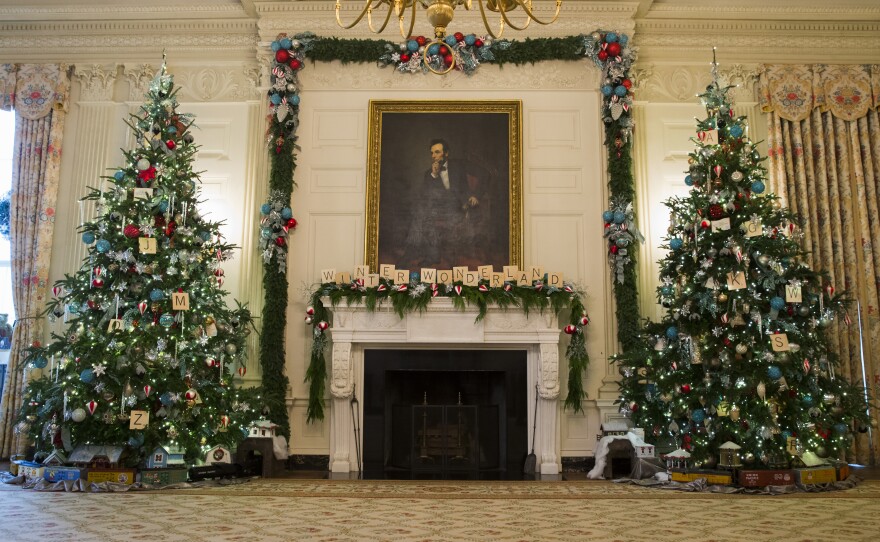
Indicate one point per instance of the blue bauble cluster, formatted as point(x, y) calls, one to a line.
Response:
point(157, 295)
point(676, 243)
point(777, 303)
point(87, 376)
point(736, 130)
point(40, 362)
point(758, 187)
point(774, 372)
point(698, 415)
point(88, 237)
point(688, 180)
point(672, 332)
point(619, 217)
point(102, 245)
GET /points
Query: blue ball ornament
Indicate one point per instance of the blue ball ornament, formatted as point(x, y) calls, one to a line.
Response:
point(777, 303)
point(166, 399)
point(688, 180)
point(450, 40)
point(157, 295)
point(275, 98)
point(736, 130)
point(608, 216)
point(102, 245)
point(171, 129)
point(163, 206)
point(276, 46)
point(676, 243)
point(205, 235)
point(698, 415)
point(40, 362)
point(414, 276)
point(119, 175)
point(786, 435)
point(286, 213)
point(87, 376)
point(619, 217)
point(623, 39)
point(294, 99)
point(412, 45)
point(840, 428)
point(672, 332)
point(607, 90)
point(136, 440)
point(610, 37)
point(166, 320)
point(774, 372)
point(266, 233)
point(434, 49)
point(470, 39)
point(285, 43)
point(758, 187)
point(73, 308)
point(265, 208)
point(622, 242)
point(620, 90)
point(88, 237)
point(667, 290)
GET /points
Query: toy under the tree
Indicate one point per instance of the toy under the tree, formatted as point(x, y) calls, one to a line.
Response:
point(147, 356)
point(741, 355)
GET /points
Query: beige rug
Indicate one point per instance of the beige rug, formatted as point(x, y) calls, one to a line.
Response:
point(310, 510)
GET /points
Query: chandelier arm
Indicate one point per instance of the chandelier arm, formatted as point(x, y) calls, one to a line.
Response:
point(486, 22)
point(367, 7)
point(384, 23)
point(507, 20)
point(412, 22)
point(531, 14)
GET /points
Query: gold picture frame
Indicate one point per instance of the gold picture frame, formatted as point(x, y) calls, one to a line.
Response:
point(468, 214)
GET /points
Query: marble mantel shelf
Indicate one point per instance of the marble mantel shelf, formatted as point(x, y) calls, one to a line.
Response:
point(442, 325)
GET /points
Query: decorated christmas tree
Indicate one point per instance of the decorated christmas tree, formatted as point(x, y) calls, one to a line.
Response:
point(741, 356)
point(150, 347)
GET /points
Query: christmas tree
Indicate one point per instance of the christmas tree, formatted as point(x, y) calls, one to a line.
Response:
point(150, 347)
point(741, 355)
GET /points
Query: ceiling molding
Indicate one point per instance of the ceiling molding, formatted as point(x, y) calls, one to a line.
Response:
point(118, 11)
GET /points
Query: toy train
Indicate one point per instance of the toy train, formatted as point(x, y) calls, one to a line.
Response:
point(249, 467)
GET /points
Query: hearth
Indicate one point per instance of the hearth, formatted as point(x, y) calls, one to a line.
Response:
point(444, 414)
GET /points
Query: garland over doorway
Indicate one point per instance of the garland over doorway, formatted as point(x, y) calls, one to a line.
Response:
point(609, 51)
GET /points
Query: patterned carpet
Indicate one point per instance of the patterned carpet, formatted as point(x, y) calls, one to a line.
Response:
point(323, 510)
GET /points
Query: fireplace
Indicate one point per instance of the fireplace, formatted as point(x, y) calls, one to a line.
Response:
point(381, 366)
point(444, 414)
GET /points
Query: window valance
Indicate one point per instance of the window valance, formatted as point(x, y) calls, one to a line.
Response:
point(792, 91)
point(33, 90)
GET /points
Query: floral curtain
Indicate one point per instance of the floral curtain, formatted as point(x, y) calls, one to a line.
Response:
point(39, 95)
point(824, 162)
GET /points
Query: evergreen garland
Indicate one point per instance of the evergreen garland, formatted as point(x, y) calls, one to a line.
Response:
point(614, 59)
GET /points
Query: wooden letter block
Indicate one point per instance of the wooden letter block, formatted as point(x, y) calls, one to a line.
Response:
point(721, 224)
point(536, 272)
point(779, 342)
point(458, 273)
point(710, 137)
point(371, 280)
point(428, 275)
point(444, 276)
point(343, 277)
point(511, 272)
point(143, 193)
point(554, 279)
point(180, 301)
point(485, 272)
point(115, 324)
point(386, 271)
point(401, 276)
point(497, 280)
point(361, 271)
point(472, 278)
point(793, 294)
point(523, 279)
point(753, 228)
point(147, 245)
point(140, 419)
point(736, 281)
point(328, 275)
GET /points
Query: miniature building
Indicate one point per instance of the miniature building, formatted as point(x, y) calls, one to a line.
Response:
point(55, 459)
point(218, 454)
point(614, 428)
point(729, 455)
point(165, 456)
point(262, 429)
point(679, 459)
point(96, 456)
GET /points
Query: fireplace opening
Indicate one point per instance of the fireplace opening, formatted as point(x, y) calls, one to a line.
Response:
point(444, 414)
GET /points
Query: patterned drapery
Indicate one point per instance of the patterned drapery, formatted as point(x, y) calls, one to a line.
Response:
point(39, 95)
point(824, 162)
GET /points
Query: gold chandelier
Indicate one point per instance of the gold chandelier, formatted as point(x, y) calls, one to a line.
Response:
point(440, 13)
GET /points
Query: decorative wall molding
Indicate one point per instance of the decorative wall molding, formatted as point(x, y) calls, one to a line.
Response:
point(218, 84)
point(96, 81)
point(139, 77)
point(681, 83)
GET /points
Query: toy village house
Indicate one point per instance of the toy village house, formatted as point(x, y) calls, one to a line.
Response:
point(102, 463)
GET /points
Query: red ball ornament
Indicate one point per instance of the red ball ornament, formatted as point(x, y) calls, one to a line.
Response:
point(421, 40)
point(322, 325)
point(170, 144)
point(585, 320)
point(404, 57)
point(169, 229)
point(685, 388)
point(570, 329)
point(279, 241)
point(98, 283)
point(458, 36)
point(603, 55)
point(726, 341)
point(295, 64)
point(613, 49)
point(282, 56)
point(310, 310)
point(219, 273)
point(716, 211)
point(190, 395)
point(613, 249)
point(92, 304)
point(705, 224)
point(448, 60)
point(210, 362)
point(478, 43)
point(444, 50)
point(627, 84)
point(634, 406)
point(131, 231)
point(291, 223)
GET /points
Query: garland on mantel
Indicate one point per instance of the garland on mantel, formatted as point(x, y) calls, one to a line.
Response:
point(608, 50)
point(415, 297)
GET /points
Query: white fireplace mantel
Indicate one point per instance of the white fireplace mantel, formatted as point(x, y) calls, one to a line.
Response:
point(442, 325)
